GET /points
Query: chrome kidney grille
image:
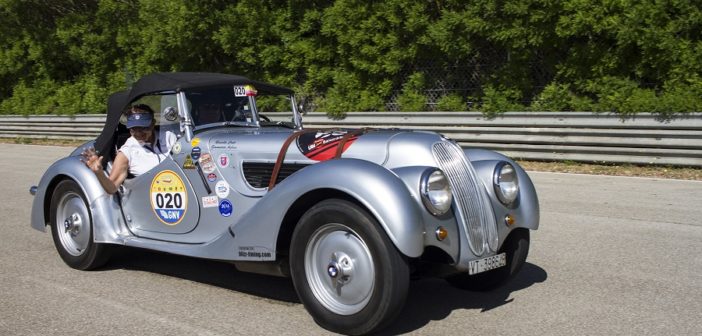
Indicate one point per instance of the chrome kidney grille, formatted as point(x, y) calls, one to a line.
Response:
point(470, 197)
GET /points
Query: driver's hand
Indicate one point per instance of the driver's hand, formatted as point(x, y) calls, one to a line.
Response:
point(92, 160)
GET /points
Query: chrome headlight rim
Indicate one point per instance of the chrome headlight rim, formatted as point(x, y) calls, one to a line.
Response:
point(434, 202)
point(506, 188)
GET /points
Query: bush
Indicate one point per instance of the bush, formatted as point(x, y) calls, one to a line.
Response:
point(411, 98)
point(626, 98)
point(49, 97)
point(495, 101)
point(411, 101)
point(451, 102)
point(36, 99)
point(560, 97)
point(680, 98)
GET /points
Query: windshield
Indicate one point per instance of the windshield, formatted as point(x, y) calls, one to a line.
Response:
point(218, 105)
point(276, 110)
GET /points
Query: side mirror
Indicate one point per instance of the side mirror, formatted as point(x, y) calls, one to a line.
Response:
point(301, 108)
point(303, 105)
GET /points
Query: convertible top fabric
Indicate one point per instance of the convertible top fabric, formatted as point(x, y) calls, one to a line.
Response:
point(168, 81)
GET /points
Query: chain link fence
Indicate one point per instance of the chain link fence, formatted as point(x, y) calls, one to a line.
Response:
point(489, 65)
point(464, 79)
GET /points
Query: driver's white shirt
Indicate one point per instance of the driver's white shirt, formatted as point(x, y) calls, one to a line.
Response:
point(145, 156)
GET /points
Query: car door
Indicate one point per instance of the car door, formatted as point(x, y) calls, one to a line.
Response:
point(164, 201)
point(161, 202)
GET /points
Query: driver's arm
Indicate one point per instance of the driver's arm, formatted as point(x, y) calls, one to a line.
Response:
point(120, 168)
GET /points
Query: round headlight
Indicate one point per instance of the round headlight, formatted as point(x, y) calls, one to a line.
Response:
point(506, 183)
point(436, 192)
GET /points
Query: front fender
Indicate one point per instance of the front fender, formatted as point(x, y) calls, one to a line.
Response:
point(103, 208)
point(527, 211)
point(380, 191)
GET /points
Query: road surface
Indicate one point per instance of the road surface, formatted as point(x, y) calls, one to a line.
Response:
point(613, 256)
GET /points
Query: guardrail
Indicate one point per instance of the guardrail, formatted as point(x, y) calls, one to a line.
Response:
point(575, 136)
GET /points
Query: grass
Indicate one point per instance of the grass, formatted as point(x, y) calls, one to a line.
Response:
point(667, 172)
point(655, 171)
point(43, 141)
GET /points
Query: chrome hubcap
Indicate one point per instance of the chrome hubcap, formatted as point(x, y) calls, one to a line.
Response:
point(72, 215)
point(72, 224)
point(339, 269)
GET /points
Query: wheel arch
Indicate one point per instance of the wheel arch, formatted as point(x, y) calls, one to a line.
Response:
point(66, 168)
point(298, 209)
point(50, 188)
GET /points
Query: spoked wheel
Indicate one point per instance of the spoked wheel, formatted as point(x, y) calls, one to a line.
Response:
point(71, 228)
point(516, 248)
point(347, 272)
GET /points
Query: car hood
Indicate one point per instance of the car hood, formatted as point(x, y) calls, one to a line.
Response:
point(384, 147)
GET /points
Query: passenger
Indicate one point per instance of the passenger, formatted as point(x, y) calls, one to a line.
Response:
point(142, 151)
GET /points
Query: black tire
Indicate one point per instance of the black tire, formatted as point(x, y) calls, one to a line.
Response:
point(338, 237)
point(72, 228)
point(516, 248)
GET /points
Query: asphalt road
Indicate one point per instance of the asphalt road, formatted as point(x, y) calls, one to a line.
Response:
point(613, 256)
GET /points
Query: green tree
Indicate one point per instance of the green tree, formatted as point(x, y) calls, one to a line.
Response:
point(622, 56)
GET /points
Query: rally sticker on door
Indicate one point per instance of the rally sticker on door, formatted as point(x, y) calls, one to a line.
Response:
point(169, 199)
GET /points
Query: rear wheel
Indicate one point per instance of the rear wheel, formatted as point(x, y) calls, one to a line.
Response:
point(72, 229)
point(516, 248)
point(346, 271)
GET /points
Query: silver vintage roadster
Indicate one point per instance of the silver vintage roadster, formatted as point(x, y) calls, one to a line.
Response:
point(349, 215)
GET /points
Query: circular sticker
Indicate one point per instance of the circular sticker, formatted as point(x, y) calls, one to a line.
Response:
point(223, 160)
point(176, 148)
point(225, 208)
point(212, 177)
point(195, 142)
point(222, 188)
point(169, 198)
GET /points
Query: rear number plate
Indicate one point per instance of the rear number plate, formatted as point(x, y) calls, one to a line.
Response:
point(486, 264)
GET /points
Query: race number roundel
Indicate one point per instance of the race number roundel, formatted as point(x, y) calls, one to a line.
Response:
point(169, 199)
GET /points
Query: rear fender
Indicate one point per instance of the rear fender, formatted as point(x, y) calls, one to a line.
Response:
point(104, 209)
point(380, 191)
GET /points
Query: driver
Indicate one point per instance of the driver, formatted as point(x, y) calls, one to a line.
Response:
point(142, 151)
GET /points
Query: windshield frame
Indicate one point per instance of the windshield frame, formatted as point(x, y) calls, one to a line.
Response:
point(188, 121)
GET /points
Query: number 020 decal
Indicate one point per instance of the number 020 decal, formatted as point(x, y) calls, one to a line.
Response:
point(169, 199)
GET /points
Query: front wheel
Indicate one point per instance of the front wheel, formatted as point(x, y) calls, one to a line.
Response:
point(346, 271)
point(516, 248)
point(71, 228)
